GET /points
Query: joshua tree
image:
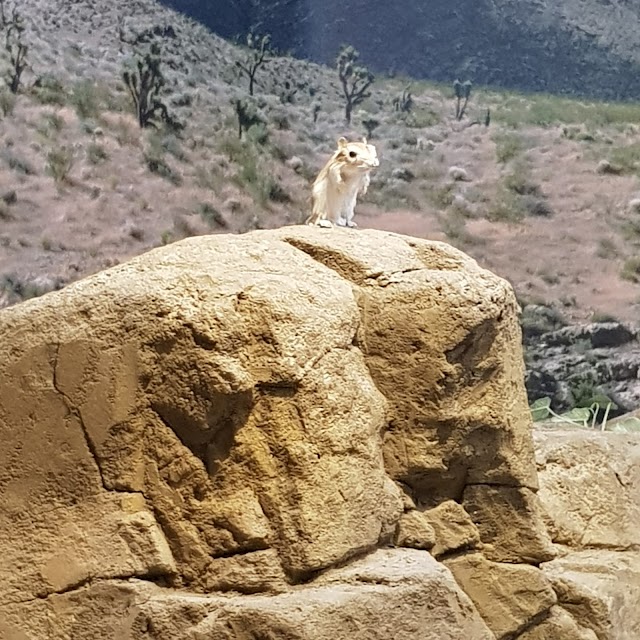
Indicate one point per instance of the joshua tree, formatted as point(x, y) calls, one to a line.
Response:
point(370, 124)
point(462, 91)
point(315, 110)
point(14, 45)
point(256, 57)
point(145, 82)
point(403, 102)
point(355, 79)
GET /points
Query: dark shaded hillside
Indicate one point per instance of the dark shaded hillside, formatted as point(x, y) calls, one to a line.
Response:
point(569, 47)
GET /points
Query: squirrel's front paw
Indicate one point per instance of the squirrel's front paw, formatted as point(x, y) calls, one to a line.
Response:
point(351, 224)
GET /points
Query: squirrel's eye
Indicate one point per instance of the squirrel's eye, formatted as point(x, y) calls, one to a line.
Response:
point(352, 154)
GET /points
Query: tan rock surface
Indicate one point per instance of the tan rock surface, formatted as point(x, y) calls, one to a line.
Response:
point(415, 531)
point(590, 493)
point(601, 589)
point(237, 413)
point(509, 597)
point(510, 523)
point(389, 594)
point(559, 625)
point(453, 527)
point(590, 487)
point(442, 341)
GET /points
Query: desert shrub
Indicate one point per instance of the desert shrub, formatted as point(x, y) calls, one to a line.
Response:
point(631, 269)
point(508, 146)
point(606, 248)
point(454, 225)
point(209, 177)
point(50, 125)
point(537, 319)
point(631, 230)
point(159, 166)
point(84, 97)
point(60, 162)
point(505, 207)
point(421, 117)
point(519, 181)
point(161, 143)
point(7, 102)
point(440, 196)
point(258, 134)
point(626, 158)
point(17, 163)
point(48, 89)
point(96, 153)
point(211, 215)
point(536, 206)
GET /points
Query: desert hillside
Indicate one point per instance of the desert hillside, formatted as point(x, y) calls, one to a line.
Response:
point(543, 195)
point(581, 47)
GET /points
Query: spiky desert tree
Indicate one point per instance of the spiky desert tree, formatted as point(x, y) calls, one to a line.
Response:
point(144, 79)
point(355, 79)
point(256, 57)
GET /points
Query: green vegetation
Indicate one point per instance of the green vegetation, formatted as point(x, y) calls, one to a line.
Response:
point(508, 146)
point(516, 110)
point(96, 153)
point(631, 270)
point(85, 99)
point(60, 162)
point(626, 158)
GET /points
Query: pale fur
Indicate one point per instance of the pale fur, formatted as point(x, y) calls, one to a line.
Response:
point(336, 189)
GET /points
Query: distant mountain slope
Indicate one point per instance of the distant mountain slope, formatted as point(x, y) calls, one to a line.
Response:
point(588, 47)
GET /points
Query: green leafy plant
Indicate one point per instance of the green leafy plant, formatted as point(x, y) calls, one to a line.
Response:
point(60, 162)
point(247, 115)
point(584, 417)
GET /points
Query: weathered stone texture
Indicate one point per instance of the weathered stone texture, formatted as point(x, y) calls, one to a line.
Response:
point(242, 414)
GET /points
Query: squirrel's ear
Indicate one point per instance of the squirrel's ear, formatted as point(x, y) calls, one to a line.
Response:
point(342, 141)
point(364, 140)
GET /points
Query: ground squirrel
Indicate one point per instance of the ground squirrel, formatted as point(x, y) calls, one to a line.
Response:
point(338, 184)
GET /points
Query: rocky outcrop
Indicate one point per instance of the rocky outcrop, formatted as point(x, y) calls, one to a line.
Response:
point(590, 491)
point(577, 364)
point(262, 436)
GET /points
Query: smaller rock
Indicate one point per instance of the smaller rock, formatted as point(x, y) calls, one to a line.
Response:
point(605, 167)
point(634, 205)
point(402, 173)
point(559, 624)
point(256, 572)
point(453, 528)
point(424, 144)
point(9, 197)
point(510, 523)
point(295, 163)
point(507, 596)
point(414, 531)
point(458, 174)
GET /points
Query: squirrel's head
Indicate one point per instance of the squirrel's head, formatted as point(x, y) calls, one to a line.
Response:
point(359, 155)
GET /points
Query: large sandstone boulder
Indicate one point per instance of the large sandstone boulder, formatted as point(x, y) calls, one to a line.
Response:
point(197, 439)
